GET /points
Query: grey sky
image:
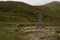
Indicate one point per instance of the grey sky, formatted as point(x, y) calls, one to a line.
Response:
point(36, 2)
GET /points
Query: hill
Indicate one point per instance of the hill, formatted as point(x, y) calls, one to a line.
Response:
point(17, 11)
point(51, 9)
point(12, 12)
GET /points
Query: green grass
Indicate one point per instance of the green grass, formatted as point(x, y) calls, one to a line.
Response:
point(12, 33)
point(7, 33)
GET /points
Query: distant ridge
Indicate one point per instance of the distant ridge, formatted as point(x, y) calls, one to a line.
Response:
point(53, 3)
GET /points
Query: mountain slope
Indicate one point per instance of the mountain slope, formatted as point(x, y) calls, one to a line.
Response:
point(52, 9)
point(17, 11)
point(21, 12)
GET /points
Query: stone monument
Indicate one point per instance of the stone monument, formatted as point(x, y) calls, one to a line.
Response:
point(40, 23)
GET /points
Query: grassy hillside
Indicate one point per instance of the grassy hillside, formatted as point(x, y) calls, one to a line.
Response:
point(17, 11)
point(24, 13)
point(52, 10)
point(14, 13)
